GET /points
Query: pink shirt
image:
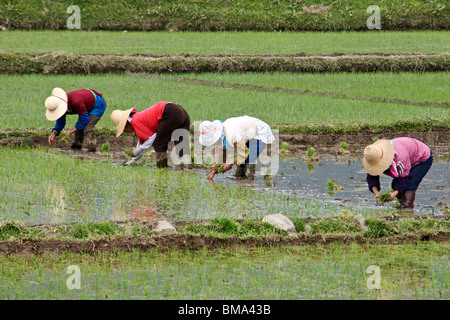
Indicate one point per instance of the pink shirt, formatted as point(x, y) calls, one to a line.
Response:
point(408, 153)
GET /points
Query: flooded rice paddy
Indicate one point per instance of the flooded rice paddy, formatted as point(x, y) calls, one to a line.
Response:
point(309, 181)
point(297, 190)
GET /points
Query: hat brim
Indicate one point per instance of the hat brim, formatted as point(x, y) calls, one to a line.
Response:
point(210, 142)
point(120, 125)
point(58, 113)
point(385, 162)
point(61, 108)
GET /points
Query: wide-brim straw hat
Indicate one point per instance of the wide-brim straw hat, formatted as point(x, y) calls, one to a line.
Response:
point(378, 157)
point(56, 104)
point(120, 118)
point(210, 132)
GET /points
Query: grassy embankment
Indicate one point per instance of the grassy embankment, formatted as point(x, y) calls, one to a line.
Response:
point(219, 15)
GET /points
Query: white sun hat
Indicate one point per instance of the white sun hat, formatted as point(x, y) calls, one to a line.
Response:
point(120, 118)
point(56, 104)
point(210, 132)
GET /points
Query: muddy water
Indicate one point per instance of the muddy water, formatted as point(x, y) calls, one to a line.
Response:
point(309, 181)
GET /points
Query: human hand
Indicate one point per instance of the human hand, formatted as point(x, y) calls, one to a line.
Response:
point(137, 151)
point(226, 166)
point(51, 138)
point(211, 175)
point(130, 162)
point(392, 195)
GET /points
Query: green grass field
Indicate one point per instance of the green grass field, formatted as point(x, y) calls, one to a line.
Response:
point(24, 108)
point(320, 272)
point(415, 87)
point(225, 42)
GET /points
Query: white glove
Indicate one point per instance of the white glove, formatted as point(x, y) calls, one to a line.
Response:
point(138, 152)
point(130, 162)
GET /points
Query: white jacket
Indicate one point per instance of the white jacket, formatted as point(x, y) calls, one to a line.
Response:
point(246, 128)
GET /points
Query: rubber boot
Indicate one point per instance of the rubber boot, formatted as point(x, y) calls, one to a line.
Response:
point(77, 140)
point(401, 198)
point(250, 170)
point(91, 141)
point(410, 197)
point(240, 171)
point(161, 159)
point(186, 162)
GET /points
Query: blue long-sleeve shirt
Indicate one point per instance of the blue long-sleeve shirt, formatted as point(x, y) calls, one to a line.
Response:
point(83, 120)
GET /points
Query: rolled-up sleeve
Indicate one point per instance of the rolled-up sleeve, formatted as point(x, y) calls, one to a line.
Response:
point(373, 181)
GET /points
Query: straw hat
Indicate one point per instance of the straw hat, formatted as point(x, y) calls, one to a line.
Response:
point(210, 132)
point(378, 157)
point(120, 118)
point(56, 104)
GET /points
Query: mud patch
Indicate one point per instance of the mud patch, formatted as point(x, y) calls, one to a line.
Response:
point(325, 143)
point(191, 242)
point(316, 9)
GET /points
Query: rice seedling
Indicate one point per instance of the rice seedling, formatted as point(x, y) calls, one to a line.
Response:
point(343, 148)
point(284, 149)
point(384, 197)
point(332, 186)
point(105, 147)
point(311, 155)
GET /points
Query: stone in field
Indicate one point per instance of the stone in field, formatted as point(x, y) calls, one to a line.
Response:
point(362, 222)
point(307, 229)
point(282, 222)
point(164, 227)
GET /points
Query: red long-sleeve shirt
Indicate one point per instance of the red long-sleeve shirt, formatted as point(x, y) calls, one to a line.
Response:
point(81, 101)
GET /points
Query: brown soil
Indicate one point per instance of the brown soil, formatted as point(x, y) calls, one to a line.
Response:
point(181, 241)
point(325, 144)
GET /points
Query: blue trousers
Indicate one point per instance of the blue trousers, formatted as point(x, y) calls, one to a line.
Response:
point(256, 147)
point(99, 108)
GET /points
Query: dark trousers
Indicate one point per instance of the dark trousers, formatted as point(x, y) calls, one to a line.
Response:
point(174, 117)
point(90, 127)
point(417, 173)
